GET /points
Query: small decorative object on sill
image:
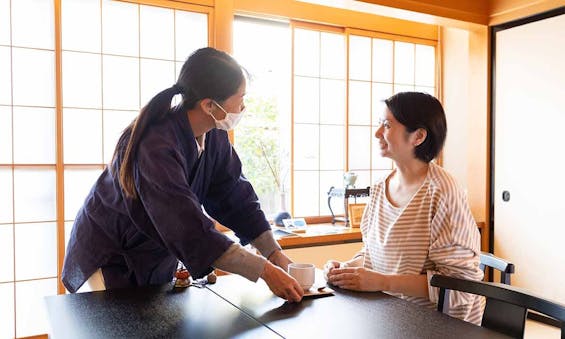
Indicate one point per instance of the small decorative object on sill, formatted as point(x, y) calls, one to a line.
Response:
point(280, 217)
point(349, 191)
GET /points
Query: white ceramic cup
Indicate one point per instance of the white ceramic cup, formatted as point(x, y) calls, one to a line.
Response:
point(303, 273)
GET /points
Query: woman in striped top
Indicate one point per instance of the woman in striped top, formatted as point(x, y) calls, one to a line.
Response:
point(418, 222)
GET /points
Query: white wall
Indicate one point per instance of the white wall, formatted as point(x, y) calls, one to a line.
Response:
point(465, 66)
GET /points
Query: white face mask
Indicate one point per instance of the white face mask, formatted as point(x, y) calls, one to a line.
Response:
point(230, 121)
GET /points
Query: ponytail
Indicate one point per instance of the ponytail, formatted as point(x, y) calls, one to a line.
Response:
point(154, 111)
point(207, 73)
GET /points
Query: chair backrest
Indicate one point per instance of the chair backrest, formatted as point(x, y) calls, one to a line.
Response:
point(505, 267)
point(506, 306)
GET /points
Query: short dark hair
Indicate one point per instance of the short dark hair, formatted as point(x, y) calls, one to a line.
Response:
point(420, 110)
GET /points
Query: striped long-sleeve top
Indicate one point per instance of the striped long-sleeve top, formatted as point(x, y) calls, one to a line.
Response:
point(434, 233)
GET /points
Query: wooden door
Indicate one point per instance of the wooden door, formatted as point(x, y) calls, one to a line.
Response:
point(529, 153)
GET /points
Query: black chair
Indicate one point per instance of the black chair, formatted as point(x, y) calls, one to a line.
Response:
point(506, 306)
point(505, 267)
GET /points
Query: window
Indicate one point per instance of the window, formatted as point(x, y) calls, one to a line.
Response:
point(319, 114)
point(125, 53)
point(340, 78)
point(262, 139)
point(28, 229)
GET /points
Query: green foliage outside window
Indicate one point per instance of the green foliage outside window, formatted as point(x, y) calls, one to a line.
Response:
point(257, 144)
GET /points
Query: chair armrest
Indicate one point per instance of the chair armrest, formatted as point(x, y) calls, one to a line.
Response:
point(493, 261)
point(502, 292)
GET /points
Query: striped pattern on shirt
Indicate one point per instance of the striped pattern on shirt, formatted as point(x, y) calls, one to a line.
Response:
point(434, 233)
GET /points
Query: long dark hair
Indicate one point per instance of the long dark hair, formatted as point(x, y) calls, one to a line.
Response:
point(207, 73)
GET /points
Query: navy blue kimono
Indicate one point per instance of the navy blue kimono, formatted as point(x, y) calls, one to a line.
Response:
point(137, 242)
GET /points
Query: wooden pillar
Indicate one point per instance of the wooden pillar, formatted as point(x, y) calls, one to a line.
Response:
point(223, 32)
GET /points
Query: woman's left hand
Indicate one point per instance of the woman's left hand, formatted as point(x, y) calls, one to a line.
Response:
point(280, 259)
point(357, 279)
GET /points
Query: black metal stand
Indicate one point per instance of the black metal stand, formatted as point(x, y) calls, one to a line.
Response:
point(345, 193)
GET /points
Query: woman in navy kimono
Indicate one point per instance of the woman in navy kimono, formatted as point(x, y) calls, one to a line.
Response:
point(145, 212)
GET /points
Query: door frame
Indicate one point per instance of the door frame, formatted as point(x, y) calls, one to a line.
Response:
point(491, 126)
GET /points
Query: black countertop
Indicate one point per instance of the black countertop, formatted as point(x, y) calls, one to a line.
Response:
point(235, 307)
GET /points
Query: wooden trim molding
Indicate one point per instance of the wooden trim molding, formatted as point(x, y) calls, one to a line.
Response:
point(307, 12)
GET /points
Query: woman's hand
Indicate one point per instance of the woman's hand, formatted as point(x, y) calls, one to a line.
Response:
point(282, 284)
point(280, 259)
point(357, 279)
point(329, 266)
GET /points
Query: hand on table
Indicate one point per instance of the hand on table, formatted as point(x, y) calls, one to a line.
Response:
point(357, 279)
point(282, 284)
point(329, 266)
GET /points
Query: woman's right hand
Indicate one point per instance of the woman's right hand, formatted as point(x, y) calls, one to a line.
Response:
point(282, 284)
point(329, 266)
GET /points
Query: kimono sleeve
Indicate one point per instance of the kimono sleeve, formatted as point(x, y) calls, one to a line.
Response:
point(175, 211)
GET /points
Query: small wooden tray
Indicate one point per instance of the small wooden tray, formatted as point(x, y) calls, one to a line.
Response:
point(318, 292)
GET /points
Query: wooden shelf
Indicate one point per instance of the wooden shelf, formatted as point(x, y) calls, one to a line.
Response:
point(320, 235)
point(328, 234)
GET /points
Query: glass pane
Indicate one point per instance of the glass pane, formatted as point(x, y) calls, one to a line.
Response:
point(197, 25)
point(359, 58)
point(82, 84)
point(332, 147)
point(268, 100)
point(156, 35)
point(403, 62)
point(359, 148)
point(178, 67)
point(5, 135)
point(306, 52)
point(306, 99)
point(156, 75)
point(429, 90)
point(34, 135)
point(34, 195)
point(31, 318)
point(121, 82)
point(403, 88)
point(332, 56)
point(425, 65)
point(6, 254)
point(33, 77)
point(114, 124)
point(382, 60)
point(68, 229)
point(359, 103)
point(363, 181)
point(32, 24)
point(379, 175)
point(82, 130)
point(5, 78)
point(306, 193)
point(378, 162)
point(381, 92)
point(332, 101)
point(120, 24)
point(41, 262)
point(7, 329)
point(327, 180)
point(81, 16)
point(6, 199)
point(4, 26)
point(78, 183)
point(306, 147)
